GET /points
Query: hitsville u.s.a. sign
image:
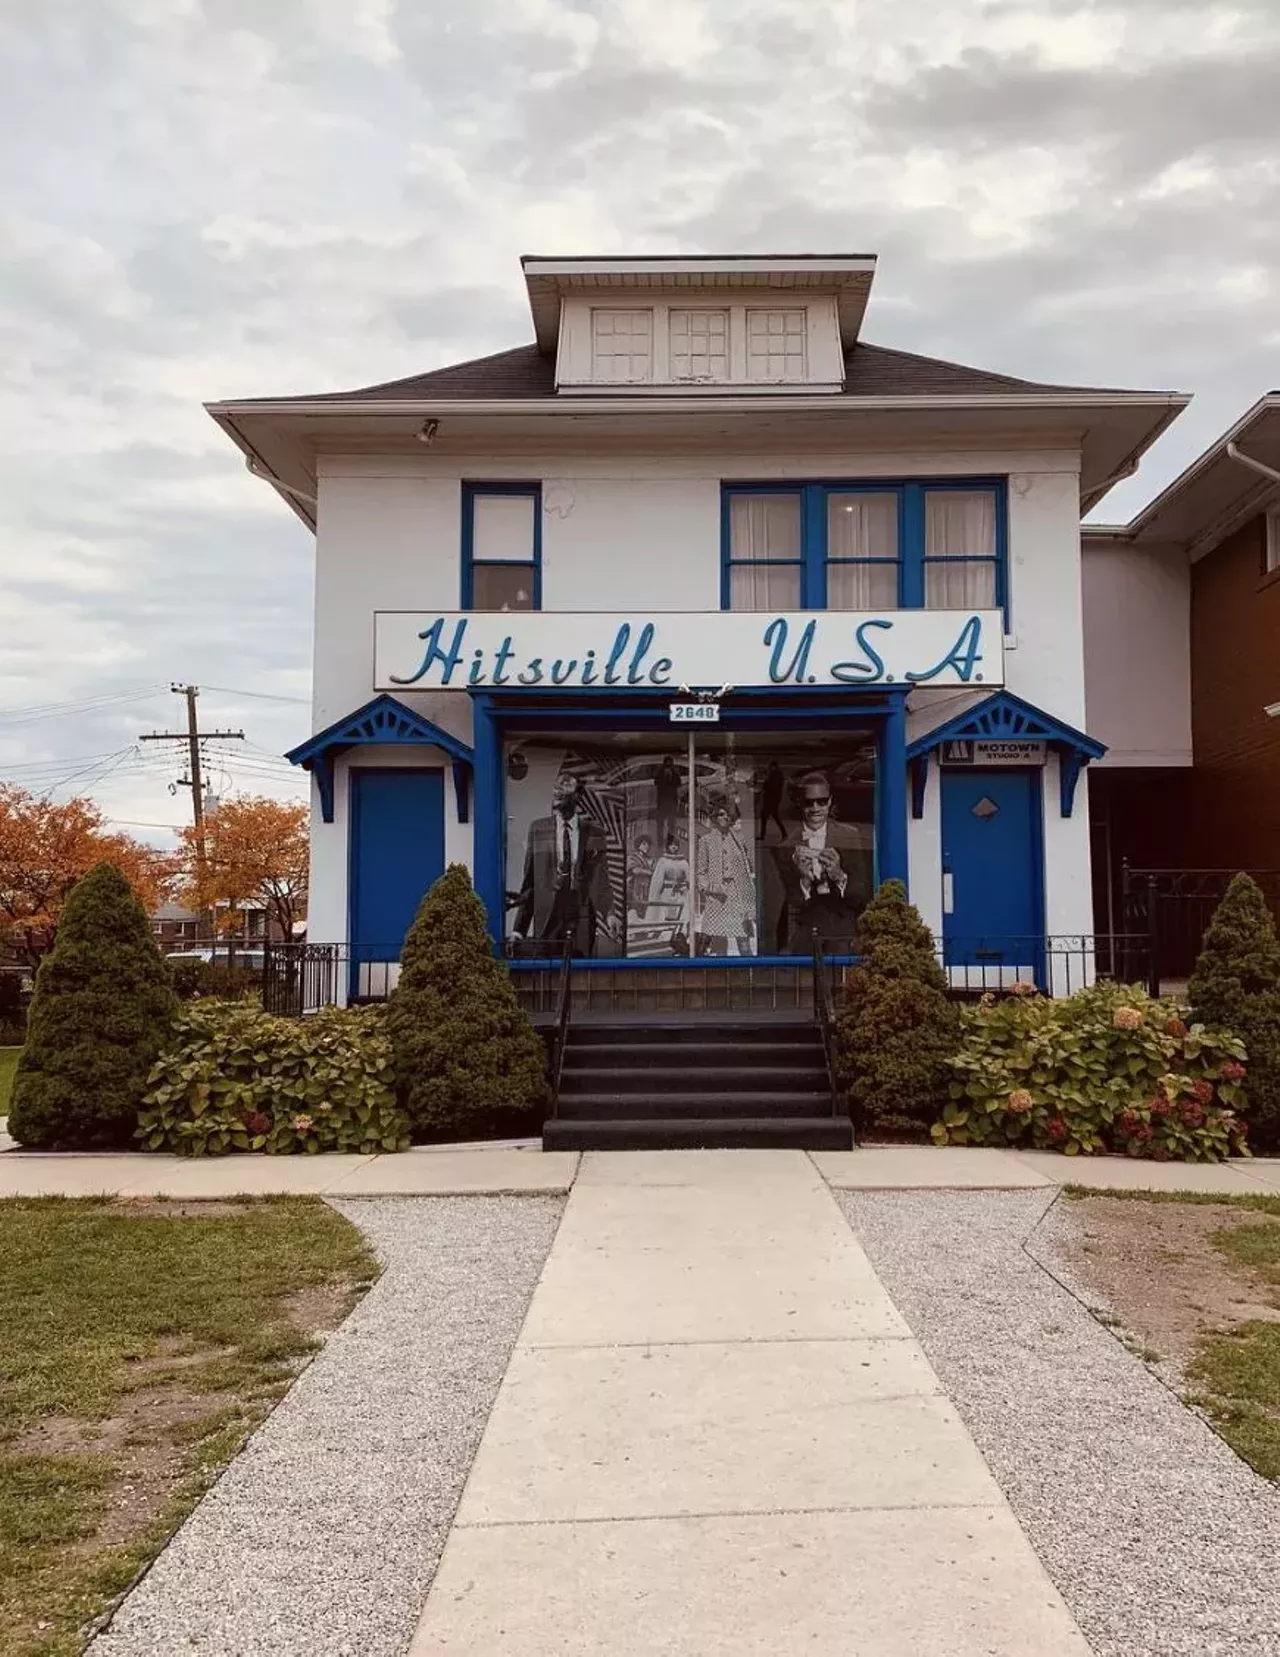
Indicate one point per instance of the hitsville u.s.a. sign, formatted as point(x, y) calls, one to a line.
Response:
point(662, 650)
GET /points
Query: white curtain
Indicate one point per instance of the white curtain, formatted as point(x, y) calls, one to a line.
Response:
point(760, 527)
point(862, 527)
point(960, 524)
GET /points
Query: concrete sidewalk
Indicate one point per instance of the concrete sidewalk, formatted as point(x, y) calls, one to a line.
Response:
point(717, 1435)
point(521, 1168)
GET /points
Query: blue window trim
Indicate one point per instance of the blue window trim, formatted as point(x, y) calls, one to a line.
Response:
point(471, 492)
point(910, 494)
point(499, 714)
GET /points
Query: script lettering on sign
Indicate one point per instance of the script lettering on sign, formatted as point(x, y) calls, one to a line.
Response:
point(544, 650)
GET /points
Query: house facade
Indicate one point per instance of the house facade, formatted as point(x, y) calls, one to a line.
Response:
point(1189, 790)
point(692, 621)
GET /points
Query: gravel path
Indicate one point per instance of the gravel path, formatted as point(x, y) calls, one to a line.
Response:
point(323, 1536)
point(1161, 1541)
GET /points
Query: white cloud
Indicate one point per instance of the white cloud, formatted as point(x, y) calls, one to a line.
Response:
point(218, 199)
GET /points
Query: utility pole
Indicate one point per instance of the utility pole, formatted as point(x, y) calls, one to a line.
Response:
point(193, 736)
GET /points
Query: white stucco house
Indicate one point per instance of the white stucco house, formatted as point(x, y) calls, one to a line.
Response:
point(688, 623)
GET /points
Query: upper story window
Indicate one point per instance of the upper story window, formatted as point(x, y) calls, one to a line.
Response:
point(699, 344)
point(1271, 554)
point(622, 346)
point(865, 546)
point(776, 344)
point(501, 546)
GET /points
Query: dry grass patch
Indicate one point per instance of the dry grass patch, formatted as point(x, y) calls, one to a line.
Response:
point(1194, 1284)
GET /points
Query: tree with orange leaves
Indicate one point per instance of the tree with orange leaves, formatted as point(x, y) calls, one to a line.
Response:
point(45, 848)
point(255, 855)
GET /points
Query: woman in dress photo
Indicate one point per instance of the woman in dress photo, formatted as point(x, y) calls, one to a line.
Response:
point(726, 887)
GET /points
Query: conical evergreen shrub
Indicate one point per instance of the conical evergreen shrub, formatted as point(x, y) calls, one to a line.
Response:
point(1236, 984)
point(101, 1011)
point(896, 1027)
point(466, 1056)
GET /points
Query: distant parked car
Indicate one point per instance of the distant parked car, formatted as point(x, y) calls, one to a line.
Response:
point(251, 960)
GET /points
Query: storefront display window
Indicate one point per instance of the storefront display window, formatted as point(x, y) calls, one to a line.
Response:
point(727, 845)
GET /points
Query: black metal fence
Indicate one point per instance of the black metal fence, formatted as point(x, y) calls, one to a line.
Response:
point(300, 978)
point(1057, 964)
point(1172, 908)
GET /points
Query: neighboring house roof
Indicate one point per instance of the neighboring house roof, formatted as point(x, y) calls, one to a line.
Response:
point(173, 912)
point(1218, 491)
point(525, 371)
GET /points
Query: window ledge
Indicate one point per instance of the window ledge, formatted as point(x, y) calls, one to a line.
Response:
point(1269, 579)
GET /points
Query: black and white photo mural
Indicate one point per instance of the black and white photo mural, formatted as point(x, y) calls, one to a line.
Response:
point(636, 850)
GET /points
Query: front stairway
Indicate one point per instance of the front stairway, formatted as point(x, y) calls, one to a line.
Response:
point(674, 1082)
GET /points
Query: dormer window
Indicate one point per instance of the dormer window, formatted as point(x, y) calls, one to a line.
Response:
point(776, 344)
point(699, 344)
point(622, 346)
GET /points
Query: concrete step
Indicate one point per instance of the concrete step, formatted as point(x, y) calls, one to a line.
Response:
point(624, 1107)
point(708, 1031)
point(806, 1133)
point(609, 1076)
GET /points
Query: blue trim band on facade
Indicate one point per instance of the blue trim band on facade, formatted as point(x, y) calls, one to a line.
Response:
point(1004, 717)
point(892, 794)
point(384, 722)
point(489, 842)
point(470, 493)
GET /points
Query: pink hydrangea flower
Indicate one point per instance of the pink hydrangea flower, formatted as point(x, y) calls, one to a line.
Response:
point(302, 1123)
point(1127, 1018)
point(1020, 1101)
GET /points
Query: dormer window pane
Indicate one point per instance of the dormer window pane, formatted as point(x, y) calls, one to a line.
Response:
point(699, 345)
point(776, 345)
point(622, 346)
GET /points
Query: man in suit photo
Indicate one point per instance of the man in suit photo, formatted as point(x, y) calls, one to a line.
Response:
point(827, 870)
point(565, 887)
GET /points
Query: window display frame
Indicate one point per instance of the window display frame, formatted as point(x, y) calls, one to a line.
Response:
point(500, 716)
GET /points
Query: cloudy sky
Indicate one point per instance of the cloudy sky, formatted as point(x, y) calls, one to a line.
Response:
point(208, 198)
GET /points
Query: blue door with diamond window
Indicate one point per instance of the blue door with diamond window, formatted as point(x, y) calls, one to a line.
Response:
point(992, 868)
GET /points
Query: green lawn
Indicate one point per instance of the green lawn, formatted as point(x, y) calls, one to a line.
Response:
point(8, 1064)
point(140, 1344)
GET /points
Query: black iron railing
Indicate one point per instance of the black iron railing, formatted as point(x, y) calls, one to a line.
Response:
point(300, 978)
point(564, 1006)
point(1056, 964)
point(1172, 908)
point(824, 1009)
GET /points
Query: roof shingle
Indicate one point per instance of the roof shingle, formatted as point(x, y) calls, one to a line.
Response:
point(525, 372)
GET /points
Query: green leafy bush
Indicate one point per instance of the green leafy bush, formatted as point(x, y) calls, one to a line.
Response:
point(466, 1056)
point(234, 1078)
point(896, 1027)
point(1107, 1069)
point(102, 1008)
point(1237, 984)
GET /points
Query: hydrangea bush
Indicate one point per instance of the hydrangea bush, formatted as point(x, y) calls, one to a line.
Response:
point(234, 1078)
point(1107, 1069)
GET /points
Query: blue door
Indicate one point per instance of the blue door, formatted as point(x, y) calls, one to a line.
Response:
point(992, 868)
point(397, 852)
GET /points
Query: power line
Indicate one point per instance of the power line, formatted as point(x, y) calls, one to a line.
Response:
point(261, 695)
point(79, 705)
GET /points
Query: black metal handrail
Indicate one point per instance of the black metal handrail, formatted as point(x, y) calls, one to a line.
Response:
point(564, 1002)
point(824, 1010)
